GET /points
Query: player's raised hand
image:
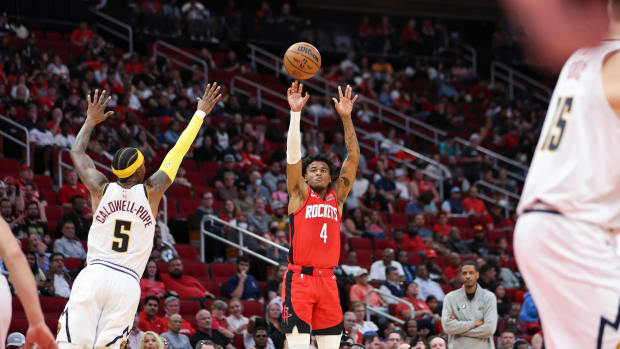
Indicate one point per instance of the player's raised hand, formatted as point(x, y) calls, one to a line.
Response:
point(344, 106)
point(96, 107)
point(40, 335)
point(295, 99)
point(210, 98)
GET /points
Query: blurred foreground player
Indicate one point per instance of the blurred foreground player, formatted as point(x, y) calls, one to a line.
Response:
point(23, 281)
point(310, 292)
point(557, 28)
point(566, 238)
point(105, 295)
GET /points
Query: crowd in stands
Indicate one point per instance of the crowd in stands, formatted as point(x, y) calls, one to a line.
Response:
point(399, 235)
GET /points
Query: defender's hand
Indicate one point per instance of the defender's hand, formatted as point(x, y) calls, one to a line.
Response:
point(295, 99)
point(210, 98)
point(96, 107)
point(41, 335)
point(344, 107)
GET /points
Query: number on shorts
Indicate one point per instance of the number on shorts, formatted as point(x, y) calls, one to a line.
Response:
point(120, 230)
point(323, 234)
point(554, 136)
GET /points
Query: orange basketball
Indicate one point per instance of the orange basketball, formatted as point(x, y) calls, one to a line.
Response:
point(302, 61)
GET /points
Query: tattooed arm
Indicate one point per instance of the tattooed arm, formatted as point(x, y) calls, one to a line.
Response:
point(344, 107)
point(83, 164)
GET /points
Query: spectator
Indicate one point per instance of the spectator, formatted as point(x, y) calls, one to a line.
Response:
point(442, 224)
point(58, 281)
point(80, 216)
point(360, 186)
point(26, 177)
point(477, 244)
point(232, 63)
point(151, 340)
point(349, 269)
point(372, 200)
point(206, 332)
point(151, 284)
point(378, 268)
point(403, 259)
point(376, 227)
point(359, 291)
point(387, 186)
point(274, 284)
point(273, 176)
point(474, 205)
point(43, 139)
point(71, 189)
point(237, 323)
point(359, 309)
point(244, 202)
point(280, 195)
point(162, 251)
point(472, 159)
point(411, 330)
point(473, 325)
point(197, 18)
point(6, 211)
point(135, 335)
point(350, 329)
point(228, 191)
point(521, 344)
point(68, 245)
point(218, 317)
point(16, 340)
point(355, 223)
point(420, 308)
point(371, 341)
point(32, 224)
point(205, 208)
point(512, 322)
point(257, 190)
point(184, 285)
point(453, 205)
point(40, 249)
point(279, 218)
point(454, 242)
point(427, 287)
point(487, 278)
point(395, 339)
point(437, 343)
point(259, 221)
point(277, 254)
point(529, 313)
point(506, 340)
point(82, 35)
point(273, 313)
point(176, 340)
point(149, 321)
point(242, 285)
point(412, 241)
point(260, 338)
point(58, 68)
point(392, 285)
point(172, 306)
point(39, 276)
point(174, 132)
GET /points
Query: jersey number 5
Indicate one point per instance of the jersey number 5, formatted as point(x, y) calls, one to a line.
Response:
point(120, 230)
point(554, 136)
point(323, 234)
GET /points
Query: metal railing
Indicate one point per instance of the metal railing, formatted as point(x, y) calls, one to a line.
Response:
point(385, 114)
point(157, 51)
point(500, 161)
point(242, 232)
point(21, 143)
point(119, 33)
point(62, 164)
point(382, 313)
point(518, 80)
point(467, 53)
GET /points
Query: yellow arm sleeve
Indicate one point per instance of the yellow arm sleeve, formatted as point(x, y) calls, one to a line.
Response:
point(175, 156)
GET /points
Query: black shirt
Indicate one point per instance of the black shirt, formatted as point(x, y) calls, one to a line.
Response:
point(215, 336)
point(29, 227)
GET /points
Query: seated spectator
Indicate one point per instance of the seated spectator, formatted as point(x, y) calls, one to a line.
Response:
point(349, 269)
point(474, 205)
point(529, 313)
point(259, 221)
point(274, 176)
point(503, 302)
point(58, 281)
point(506, 340)
point(412, 241)
point(162, 251)
point(242, 285)
point(378, 268)
point(26, 176)
point(511, 321)
point(42, 138)
point(237, 323)
point(477, 244)
point(350, 329)
point(68, 244)
point(39, 276)
point(442, 224)
point(454, 205)
point(354, 223)
point(58, 68)
point(33, 224)
point(175, 339)
point(372, 200)
point(64, 139)
point(149, 321)
point(15, 340)
point(387, 186)
point(376, 226)
point(359, 309)
point(6, 211)
point(71, 189)
point(456, 244)
point(205, 208)
point(261, 339)
point(403, 259)
point(392, 285)
point(273, 313)
point(151, 340)
point(228, 190)
point(358, 190)
point(272, 289)
point(279, 218)
point(218, 318)
point(257, 190)
point(205, 331)
point(488, 276)
point(40, 249)
point(411, 331)
point(277, 254)
point(151, 284)
point(360, 290)
point(426, 286)
point(172, 306)
point(280, 194)
point(184, 285)
point(451, 271)
point(243, 202)
point(82, 35)
point(135, 335)
point(421, 309)
point(80, 215)
point(180, 178)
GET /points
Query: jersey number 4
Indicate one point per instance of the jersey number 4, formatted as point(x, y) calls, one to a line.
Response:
point(121, 228)
point(323, 234)
point(554, 135)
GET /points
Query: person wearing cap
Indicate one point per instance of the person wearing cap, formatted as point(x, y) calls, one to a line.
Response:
point(16, 340)
point(360, 290)
point(473, 205)
point(453, 204)
point(26, 176)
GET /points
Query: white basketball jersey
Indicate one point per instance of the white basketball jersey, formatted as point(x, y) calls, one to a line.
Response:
point(576, 169)
point(123, 228)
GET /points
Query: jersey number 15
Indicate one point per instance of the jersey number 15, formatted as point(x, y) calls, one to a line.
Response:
point(554, 135)
point(120, 230)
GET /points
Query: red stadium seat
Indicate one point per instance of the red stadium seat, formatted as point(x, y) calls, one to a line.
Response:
point(53, 305)
point(364, 258)
point(18, 309)
point(415, 259)
point(162, 267)
point(212, 287)
point(197, 270)
point(50, 196)
point(189, 307)
point(238, 341)
point(72, 263)
point(251, 308)
point(382, 244)
point(222, 271)
point(53, 213)
point(399, 220)
point(187, 252)
point(360, 244)
point(460, 222)
point(179, 191)
point(18, 324)
point(187, 207)
point(43, 182)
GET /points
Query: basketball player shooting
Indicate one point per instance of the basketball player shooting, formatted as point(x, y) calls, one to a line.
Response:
point(566, 238)
point(105, 295)
point(24, 284)
point(310, 292)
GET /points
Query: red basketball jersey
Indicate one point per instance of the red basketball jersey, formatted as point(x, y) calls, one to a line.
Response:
point(315, 232)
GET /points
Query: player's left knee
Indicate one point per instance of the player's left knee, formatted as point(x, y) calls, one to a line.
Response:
point(328, 341)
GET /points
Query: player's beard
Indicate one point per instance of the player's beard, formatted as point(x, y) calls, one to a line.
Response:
point(176, 274)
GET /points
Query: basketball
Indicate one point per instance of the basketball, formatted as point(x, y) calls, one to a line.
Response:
point(302, 61)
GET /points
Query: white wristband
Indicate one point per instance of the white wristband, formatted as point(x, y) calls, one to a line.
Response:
point(200, 113)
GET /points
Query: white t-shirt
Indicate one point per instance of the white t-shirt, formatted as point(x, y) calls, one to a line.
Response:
point(42, 138)
point(377, 270)
point(61, 286)
point(234, 323)
point(64, 141)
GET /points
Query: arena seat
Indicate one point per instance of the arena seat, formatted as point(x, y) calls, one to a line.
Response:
point(197, 270)
point(251, 308)
point(43, 182)
point(189, 307)
point(53, 305)
point(222, 271)
point(211, 286)
point(187, 252)
point(72, 263)
point(360, 244)
point(415, 258)
point(382, 244)
point(18, 324)
point(18, 309)
point(238, 341)
point(364, 258)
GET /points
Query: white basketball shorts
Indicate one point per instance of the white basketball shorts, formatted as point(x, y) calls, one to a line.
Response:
point(572, 269)
point(5, 305)
point(101, 308)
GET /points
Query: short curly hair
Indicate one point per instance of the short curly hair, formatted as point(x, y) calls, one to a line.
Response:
point(333, 170)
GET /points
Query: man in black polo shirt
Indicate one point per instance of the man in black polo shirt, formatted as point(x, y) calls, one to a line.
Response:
point(206, 332)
